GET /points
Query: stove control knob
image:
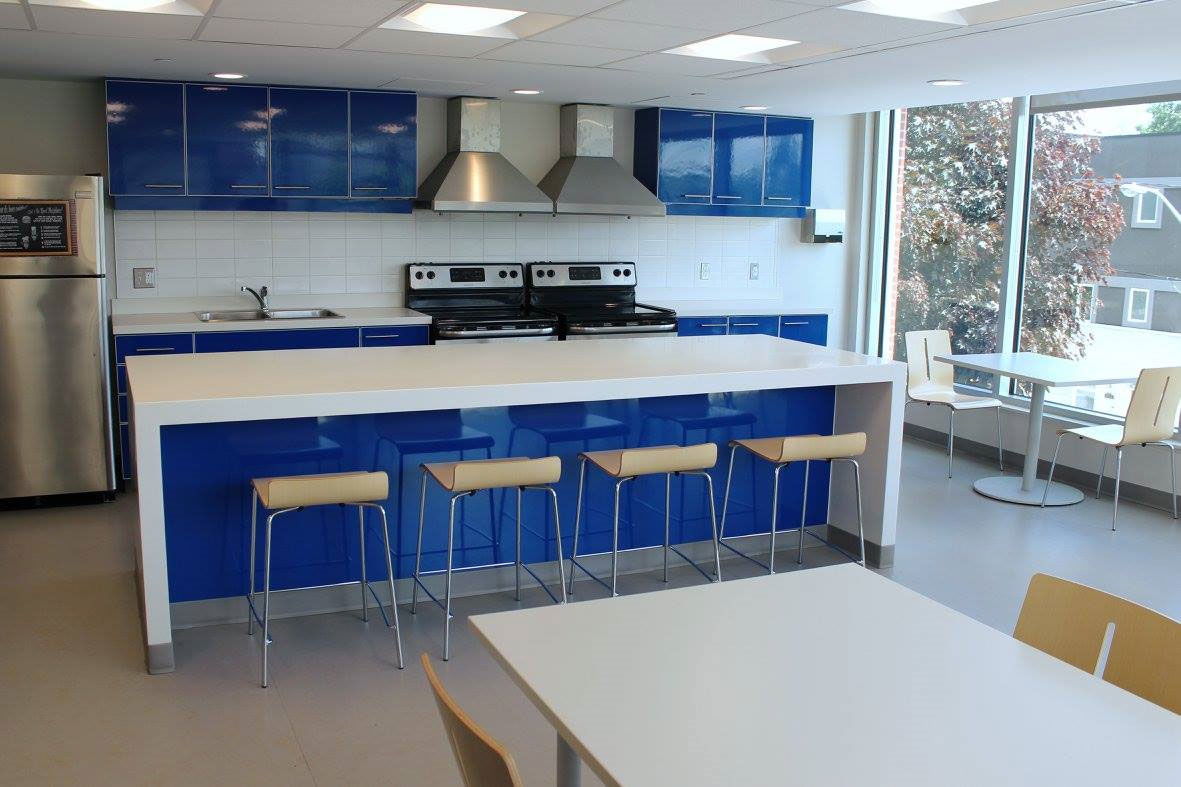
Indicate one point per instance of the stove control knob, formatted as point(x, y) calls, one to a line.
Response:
point(513, 274)
point(504, 274)
point(418, 274)
point(430, 274)
point(627, 271)
point(552, 273)
point(617, 272)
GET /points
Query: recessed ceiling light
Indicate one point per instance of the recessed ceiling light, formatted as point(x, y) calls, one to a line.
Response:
point(163, 60)
point(459, 19)
point(915, 9)
point(127, 5)
point(732, 46)
point(754, 108)
point(527, 91)
point(227, 75)
point(945, 82)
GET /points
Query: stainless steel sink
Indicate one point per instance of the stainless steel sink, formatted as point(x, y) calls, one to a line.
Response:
point(246, 315)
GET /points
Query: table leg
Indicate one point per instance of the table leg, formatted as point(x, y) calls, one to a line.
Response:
point(1028, 491)
point(569, 767)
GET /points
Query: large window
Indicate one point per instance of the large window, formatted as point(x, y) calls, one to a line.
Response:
point(946, 237)
point(1101, 182)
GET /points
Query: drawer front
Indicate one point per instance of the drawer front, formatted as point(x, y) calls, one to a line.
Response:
point(121, 378)
point(152, 344)
point(125, 456)
point(702, 326)
point(761, 324)
point(124, 409)
point(394, 336)
point(811, 328)
point(295, 339)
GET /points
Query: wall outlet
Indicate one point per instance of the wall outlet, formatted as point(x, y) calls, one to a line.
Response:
point(143, 278)
point(703, 271)
point(754, 271)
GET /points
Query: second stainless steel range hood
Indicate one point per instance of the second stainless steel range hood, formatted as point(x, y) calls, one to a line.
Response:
point(474, 176)
point(587, 178)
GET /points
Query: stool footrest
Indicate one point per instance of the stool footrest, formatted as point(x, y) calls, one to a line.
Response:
point(672, 548)
point(761, 564)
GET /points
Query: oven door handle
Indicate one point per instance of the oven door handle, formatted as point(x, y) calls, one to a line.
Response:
point(449, 333)
point(593, 329)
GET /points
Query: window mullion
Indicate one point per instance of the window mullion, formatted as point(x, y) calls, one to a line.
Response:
point(1017, 205)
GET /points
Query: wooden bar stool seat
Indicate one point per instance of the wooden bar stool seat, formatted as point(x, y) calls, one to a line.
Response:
point(782, 451)
point(626, 464)
point(476, 475)
point(285, 494)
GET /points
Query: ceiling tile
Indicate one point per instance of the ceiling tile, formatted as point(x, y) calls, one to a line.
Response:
point(847, 28)
point(414, 43)
point(114, 23)
point(703, 14)
point(12, 16)
point(438, 86)
point(354, 13)
point(625, 35)
point(660, 63)
point(250, 31)
point(557, 54)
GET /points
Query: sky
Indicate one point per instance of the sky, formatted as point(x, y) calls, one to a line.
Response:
point(1107, 121)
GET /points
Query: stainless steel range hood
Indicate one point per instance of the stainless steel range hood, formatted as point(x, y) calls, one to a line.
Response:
point(474, 176)
point(587, 178)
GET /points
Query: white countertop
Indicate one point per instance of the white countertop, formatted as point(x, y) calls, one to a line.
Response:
point(297, 383)
point(733, 307)
point(830, 676)
point(187, 322)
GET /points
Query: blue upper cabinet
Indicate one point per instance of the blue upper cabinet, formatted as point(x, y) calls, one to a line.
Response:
point(309, 143)
point(738, 159)
point(789, 161)
point(227, 140)
point(724, 164)
point(145, 138)
point(384, 144)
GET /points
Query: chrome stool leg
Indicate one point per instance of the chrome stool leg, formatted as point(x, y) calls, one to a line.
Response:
point(726, 496)
point(668, 480)
point(804, 512)
point(418, 549)
point(577, 523)
point(250, 613)
point(266, 593)
point(558, 536)
point(517, 567)
point(389, 568)
point(364, 578)
point(615, 539)
point(447, 591)
point(774, 517)
point(860, 518)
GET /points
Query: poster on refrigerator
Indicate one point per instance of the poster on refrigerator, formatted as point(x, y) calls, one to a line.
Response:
point(36, 228)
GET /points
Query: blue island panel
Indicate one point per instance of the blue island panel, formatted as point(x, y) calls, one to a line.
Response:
point(207, 470)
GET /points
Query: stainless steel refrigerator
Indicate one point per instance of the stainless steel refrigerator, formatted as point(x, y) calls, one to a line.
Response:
point(55, 400)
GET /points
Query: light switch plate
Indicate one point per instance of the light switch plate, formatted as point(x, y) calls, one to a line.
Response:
point(754, 271)
point(703, 272)
point(143, 278)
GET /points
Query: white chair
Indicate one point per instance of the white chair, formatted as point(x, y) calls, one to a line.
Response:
point(1151, 420)
point(933, 382)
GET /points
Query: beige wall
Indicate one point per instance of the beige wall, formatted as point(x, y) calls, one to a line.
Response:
point(52, 128)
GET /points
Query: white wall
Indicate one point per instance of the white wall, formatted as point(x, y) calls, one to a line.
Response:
point(58, 127)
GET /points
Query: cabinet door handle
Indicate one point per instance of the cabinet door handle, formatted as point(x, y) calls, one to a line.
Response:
point(726, 196)
point(696, 196)
point(292, 187)
point(712, 325)
point(744, 325)
point(246, 187)
point(369, 188)
point(154, 349)
point(784, 198)
point(797, 322)
point(384, 336)
point(163, 186)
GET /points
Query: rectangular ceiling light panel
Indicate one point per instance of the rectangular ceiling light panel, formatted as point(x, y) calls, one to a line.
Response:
point(732, 46)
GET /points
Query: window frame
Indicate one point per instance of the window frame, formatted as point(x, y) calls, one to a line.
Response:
point(1129, 304)
point(1137, 220)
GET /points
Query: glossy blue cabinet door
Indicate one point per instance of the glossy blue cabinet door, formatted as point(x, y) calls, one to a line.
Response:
point(384, 146)
point(146, 138)
point(810, 328)
point(227, 140)
point(290, 339)
point(738, 159)
point(701, 326)
point(309, 143)
point(760, 324)
point(789, 162)
point(394, 336)
point(686, 156)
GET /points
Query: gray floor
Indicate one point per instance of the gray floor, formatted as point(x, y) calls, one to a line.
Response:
point(77, 707)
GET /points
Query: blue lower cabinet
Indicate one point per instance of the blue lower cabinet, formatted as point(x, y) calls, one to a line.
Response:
point(126, 455)
point(760, 324)
point(152, 344)
point(394, 336)
point(811, 328)
point(123, 409)
point(295, 339)
point(702, 326)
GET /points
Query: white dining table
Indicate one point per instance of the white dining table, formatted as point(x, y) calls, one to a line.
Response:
point(1041, 372)
point(827, 676)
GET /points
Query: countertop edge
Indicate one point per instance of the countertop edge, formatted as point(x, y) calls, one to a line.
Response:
point(187, 322)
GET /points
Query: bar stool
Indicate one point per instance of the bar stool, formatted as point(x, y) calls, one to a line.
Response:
point(628, 464)
point(782, 451)
point(460, 479)
point(285, 494)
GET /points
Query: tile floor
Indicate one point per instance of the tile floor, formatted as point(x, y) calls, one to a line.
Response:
point(77, 707)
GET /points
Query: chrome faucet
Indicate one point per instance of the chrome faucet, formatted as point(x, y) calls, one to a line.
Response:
point(260, 295)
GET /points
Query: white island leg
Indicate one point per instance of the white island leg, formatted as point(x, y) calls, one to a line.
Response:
point(569, 766)
point(1028, 490)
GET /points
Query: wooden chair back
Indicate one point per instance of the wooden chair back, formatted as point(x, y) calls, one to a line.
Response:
point(1156, 402)
point(923, 372)
point(1072, 622)
point(482, 761)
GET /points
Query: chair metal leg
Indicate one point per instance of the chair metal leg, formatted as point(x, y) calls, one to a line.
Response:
point(364, 578)
point(950, 437)
point(389, 569)
point(418, 549)
point(577, 523)
point(860, 522)
point(447, 594)
point(1173, 472)
point(517, 567)
point(668, 481)
point(1053, 464)
point(804, 512)
point(1119, 460)
point(726, 497)
point(774, 517)
point(558, 535)
point(1000, 451)
point(1102, 467)
point(615, 540)
point(266, 592)
point(250, 568)
point(713, 519)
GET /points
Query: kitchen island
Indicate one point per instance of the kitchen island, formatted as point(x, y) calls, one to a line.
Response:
point(203, 425)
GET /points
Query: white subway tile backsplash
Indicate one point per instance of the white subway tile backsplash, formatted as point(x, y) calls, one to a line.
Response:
point(215, 252)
